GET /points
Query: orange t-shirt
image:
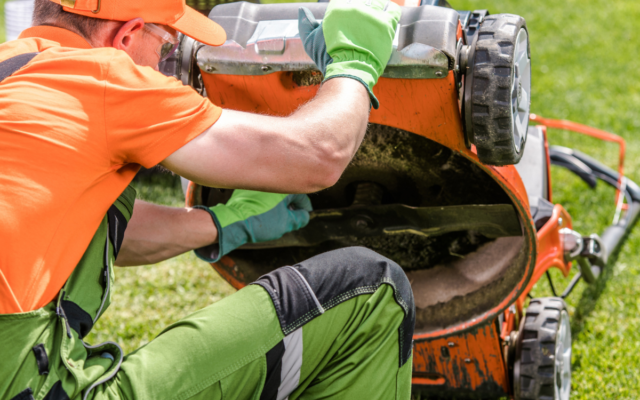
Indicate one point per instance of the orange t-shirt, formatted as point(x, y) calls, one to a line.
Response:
point(75, 125)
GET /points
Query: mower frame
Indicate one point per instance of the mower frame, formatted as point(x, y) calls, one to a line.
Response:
point(475, 358)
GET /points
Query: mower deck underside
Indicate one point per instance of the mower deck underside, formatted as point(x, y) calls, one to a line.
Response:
point(456, 275)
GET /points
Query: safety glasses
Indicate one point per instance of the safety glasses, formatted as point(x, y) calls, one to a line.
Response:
point(170, 44)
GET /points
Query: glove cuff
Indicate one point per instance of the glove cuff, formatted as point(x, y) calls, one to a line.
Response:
point(213, 252)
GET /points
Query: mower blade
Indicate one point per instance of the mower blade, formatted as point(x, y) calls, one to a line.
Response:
point(351, 223)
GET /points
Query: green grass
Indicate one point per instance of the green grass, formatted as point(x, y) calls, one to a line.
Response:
point(584, 60)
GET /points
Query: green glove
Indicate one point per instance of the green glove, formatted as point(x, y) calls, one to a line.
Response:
point(354, 40)
point(251, 217)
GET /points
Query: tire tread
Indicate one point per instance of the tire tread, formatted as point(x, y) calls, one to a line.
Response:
point(536, 362)
point(491, 94)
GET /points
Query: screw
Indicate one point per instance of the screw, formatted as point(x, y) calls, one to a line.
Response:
point(451, 344)
point(209, 68)
point(519, 92)
point(438, 73)
point(265, 68)
point(467, 360)
point(363, 222)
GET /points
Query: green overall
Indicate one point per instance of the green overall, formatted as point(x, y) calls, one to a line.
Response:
point(336, 326)
point(42, 350)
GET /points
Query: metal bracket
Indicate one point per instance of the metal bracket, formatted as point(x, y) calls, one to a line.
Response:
point(588, 251)
point(72, 4)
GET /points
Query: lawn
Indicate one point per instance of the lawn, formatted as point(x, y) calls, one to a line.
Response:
point(584, 69)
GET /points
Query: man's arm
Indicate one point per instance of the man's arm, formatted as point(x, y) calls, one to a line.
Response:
point(156, 233)
point(302, 153)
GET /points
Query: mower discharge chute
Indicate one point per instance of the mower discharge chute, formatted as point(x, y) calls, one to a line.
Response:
point(433, 187)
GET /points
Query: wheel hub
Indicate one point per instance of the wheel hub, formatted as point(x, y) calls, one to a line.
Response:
point(563, 358)
point(521, 89)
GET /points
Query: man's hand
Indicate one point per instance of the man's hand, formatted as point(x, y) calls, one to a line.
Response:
point(156, 233)
point(354, 40)
point(251, 217)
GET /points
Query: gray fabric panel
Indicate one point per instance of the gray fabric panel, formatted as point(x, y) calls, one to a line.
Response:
point(304, 291)
point(291, 364)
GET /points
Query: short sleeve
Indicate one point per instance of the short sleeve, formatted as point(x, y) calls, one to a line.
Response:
point(148, 115)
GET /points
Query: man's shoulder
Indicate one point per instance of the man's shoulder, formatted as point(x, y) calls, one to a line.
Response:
point(81, 60)
point(59, 60)
point(105, 65)
point(16, 47)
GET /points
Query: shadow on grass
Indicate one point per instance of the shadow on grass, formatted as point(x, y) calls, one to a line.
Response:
point(592, 293)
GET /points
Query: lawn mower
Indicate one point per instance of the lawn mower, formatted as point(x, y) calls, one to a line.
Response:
point(452, 182)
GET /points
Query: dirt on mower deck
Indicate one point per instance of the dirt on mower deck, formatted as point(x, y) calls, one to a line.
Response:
point(407, 169)
point(456, 275)
point(415, 252)
point(419, 172)
point(412, 170)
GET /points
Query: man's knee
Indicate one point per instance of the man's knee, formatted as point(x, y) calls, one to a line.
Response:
point(305, 290)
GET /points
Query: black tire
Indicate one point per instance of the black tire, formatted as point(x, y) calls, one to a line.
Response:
point(500, 125)
point(540, 360)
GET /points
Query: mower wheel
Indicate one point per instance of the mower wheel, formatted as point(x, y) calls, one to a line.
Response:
point(501, 89)
point(542, 368)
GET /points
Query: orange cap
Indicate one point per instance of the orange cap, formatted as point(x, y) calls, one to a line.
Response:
point(174, 13)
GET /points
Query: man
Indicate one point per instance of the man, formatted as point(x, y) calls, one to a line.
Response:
point(82, 106)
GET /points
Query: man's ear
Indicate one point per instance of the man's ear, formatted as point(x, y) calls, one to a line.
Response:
point(127, 34)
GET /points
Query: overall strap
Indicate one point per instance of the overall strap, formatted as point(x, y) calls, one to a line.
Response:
point(11, 65)
point(87, 292)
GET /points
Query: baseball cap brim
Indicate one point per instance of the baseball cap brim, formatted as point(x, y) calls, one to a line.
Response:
point(200, 28)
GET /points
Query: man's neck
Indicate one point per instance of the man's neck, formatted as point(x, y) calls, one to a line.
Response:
point(103, 38)
point(69, 28)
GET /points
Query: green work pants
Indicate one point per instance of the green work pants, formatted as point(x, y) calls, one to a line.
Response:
point(350, 352)
point(236, 348)
point(338, 326)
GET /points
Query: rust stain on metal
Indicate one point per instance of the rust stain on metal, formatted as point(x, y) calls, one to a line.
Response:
point(228, 270)
point(474, 365)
